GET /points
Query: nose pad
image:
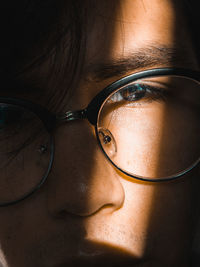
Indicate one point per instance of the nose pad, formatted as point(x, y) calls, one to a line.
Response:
point(108, 142)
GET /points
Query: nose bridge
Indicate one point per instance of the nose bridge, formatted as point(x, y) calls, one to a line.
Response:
point(82, 181)
point(69, 116)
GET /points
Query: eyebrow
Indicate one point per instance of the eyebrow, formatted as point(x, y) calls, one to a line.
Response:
point(143, 58)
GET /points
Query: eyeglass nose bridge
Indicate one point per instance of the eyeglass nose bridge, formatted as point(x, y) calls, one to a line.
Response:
point(72, 115)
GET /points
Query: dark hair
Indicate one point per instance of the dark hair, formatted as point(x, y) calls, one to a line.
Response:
point(191, 8)
point(33, 31)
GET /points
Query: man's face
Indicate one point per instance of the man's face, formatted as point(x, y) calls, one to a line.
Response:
point(88, 213)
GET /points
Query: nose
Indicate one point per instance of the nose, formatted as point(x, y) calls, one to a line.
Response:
point(82, 181)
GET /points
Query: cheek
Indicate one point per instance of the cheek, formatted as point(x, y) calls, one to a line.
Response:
point(159, 216)
point(127, 228)
point(154, 218)
point(11, 237)
point(19, 225)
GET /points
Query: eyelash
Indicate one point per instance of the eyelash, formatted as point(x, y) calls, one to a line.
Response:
point(145, 92)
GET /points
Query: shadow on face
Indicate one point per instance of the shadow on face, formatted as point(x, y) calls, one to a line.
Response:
point(88, 212)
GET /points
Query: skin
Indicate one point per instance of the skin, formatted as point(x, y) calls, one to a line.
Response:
point(88, 212)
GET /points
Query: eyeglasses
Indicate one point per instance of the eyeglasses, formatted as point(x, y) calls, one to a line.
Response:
point(146, 124)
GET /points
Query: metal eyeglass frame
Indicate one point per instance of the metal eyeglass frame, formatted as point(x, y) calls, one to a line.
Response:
point(51, 120)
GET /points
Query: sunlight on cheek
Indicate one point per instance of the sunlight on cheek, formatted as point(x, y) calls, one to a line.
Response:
point(139, 139)
point(137, 211)
point(137, 132)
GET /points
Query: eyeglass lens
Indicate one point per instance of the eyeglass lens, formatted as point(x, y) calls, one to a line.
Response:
point(24, 152)
point(150, 128)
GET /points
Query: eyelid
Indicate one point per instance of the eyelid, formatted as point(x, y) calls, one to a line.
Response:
point(154, 91)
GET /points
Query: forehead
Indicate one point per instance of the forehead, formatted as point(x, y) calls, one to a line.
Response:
point(124, 28)
point(122, 37)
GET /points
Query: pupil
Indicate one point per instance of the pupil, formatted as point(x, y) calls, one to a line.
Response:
point(134, 92)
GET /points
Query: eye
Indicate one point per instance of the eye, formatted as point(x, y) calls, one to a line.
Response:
point(133, 92)
point(138, 93)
